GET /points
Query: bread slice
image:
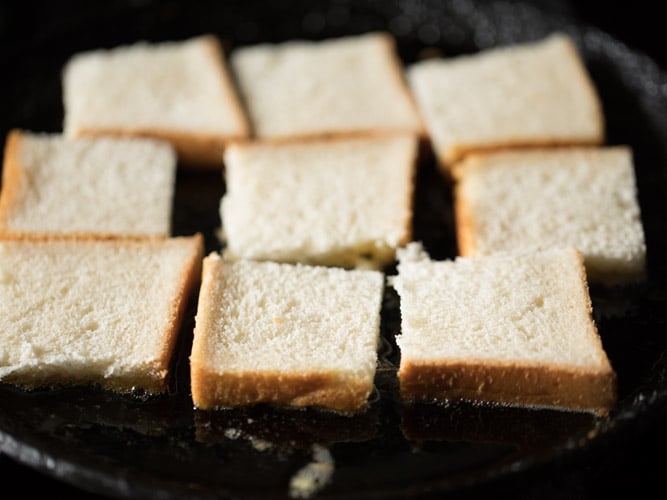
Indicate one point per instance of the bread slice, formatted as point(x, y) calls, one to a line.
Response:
point(103, 313)
point(514, 329)
point(535, 199)
point(344, 202)
point(285, 334)
point(532, 94)
point(338, 86)
point(180, 91)
point(92, 186)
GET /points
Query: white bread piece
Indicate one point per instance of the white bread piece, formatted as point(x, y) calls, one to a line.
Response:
point(532, 94)
point(180, 91)
point(91, 186)
point(344, 202)
point(104, 313)
point(338, 86)
point(513, 329)
point(285, 334)
point(534, 199)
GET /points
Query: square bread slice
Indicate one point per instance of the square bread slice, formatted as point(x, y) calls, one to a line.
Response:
point(99, 186)
point(532, 94)
point(180, 91)
point(286, 334)
point(534, 199)
point(513, 329)
point(103, 313)
point(338, 86)
point(344, 202)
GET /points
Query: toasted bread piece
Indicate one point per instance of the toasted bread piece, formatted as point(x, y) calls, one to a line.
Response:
point(347, 86)
point(532, 94)
point(513, 329)
point(535, 199)
point(102, 313)
point(344, 202)
point(107, 187)
point(180, 91)
point(285, 334)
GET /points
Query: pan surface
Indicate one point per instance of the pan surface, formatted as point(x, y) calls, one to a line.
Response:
point(162, 448)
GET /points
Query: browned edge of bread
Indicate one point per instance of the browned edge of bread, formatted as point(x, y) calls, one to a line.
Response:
point(12, 178)
point(188, 283)
point(532, 385)
point(213, 390)
point(464, 223)
point(453, 160)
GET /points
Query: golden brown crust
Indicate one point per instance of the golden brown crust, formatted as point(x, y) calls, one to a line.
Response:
point(78, 236)
point(212, 389)
point(452, 161)
point(314, 137)
point(13, 178)
point(187, 282)
point(464, 223)
point(510, 383)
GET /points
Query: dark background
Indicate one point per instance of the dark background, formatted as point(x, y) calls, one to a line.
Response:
point(634, 466)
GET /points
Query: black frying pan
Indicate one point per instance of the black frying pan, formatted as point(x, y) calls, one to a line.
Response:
point(83, 440)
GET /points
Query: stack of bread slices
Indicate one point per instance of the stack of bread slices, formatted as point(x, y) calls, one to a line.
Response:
point(319, 145)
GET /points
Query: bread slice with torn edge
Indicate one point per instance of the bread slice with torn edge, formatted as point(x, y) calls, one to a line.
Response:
point(101, 186)
point(537, 93)
point(346, 86)
point(513, 329)
point(103, 313)
point(585, 197)
point(344, 202)
point(177, 90)
point(286, 334)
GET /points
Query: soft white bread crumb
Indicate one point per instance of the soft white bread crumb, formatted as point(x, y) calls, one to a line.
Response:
point(338, 86)
point(535, 93)
point(89, 186)
point(535, 199)
point(180, 91)
point(82, 312)
point(345, 202)
point(285, 334)
point(508, 328)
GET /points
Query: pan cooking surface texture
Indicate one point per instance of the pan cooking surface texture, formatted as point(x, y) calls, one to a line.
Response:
point(163, 448)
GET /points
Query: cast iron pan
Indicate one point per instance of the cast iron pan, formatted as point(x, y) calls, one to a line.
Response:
point(121, 447)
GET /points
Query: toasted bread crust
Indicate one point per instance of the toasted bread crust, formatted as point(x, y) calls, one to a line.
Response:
point(510, 383)
point(452, 160)
point(188, 282)
point(213, 390)
point(13, 179)
point(464, 223)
